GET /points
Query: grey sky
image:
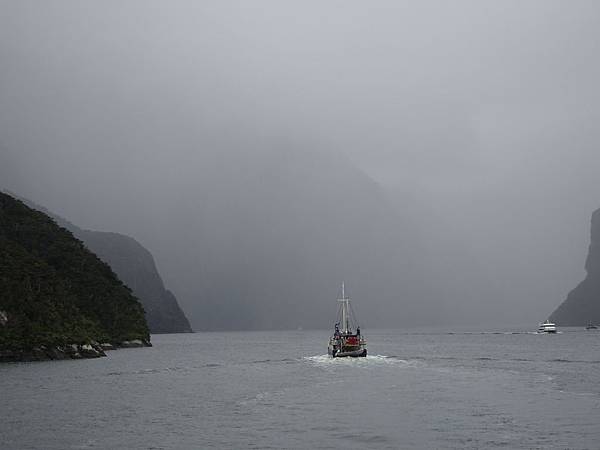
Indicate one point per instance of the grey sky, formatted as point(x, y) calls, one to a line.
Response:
point(478, 119)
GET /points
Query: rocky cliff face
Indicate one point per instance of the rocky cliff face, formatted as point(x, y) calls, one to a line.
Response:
point(582, 305)
point(135, 266)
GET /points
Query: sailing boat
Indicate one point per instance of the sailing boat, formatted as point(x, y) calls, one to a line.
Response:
point(344, 341)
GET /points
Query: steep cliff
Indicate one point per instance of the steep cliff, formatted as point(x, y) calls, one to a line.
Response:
point(135, 266)
point(54, 292)
point(582, 305)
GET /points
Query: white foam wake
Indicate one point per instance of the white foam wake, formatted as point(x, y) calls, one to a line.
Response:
point(369, 360)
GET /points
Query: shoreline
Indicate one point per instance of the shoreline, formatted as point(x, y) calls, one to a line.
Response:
point(67, 351)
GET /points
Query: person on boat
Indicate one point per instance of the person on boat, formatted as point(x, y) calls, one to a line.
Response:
point(337, 330)
point(357, 331)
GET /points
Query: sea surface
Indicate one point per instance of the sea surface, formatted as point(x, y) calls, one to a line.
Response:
point(421, 389)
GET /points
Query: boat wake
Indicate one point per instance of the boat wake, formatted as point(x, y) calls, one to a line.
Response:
point(369, 360)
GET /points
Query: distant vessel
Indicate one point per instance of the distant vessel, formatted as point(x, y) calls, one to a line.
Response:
point(547, 327)
point(344, 341)
point(591, 326)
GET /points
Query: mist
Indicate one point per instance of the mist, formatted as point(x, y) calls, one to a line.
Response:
point(440, 158)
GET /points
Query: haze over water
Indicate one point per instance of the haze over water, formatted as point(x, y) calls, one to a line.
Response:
point(417, 389)
point(441, 157)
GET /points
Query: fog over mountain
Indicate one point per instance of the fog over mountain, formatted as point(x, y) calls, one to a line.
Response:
point(440, 157)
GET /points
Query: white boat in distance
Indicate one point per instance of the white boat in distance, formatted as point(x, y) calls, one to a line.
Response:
point(547, 327)
point(344, 341)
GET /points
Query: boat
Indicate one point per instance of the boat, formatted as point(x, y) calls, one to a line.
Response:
point(345, 342)
point(591, 326)
point(547, 327)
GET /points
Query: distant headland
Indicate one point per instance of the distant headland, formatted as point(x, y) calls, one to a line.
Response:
point(582, 305)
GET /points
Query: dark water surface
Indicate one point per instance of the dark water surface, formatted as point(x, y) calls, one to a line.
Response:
point(276, 390)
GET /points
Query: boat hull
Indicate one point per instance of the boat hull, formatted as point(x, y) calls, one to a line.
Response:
point(335, 352)
point(362, 353)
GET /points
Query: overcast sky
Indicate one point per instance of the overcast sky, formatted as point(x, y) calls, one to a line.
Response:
point(479, 119)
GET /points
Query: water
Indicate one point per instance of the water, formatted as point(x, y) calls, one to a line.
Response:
point(427, 389)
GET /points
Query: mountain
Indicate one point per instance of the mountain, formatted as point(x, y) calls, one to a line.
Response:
point(262, 240)
point(582, 305)
point(135, 266)
point(54, 292)
point(259, 232)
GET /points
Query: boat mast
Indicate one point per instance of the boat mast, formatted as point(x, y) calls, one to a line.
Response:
point(345, 315)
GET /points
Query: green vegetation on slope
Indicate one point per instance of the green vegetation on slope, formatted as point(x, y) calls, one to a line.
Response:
point(54, 291)
point(134, 265)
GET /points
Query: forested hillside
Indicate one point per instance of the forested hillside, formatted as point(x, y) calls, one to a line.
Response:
point(54, 291)
point(135, 266)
